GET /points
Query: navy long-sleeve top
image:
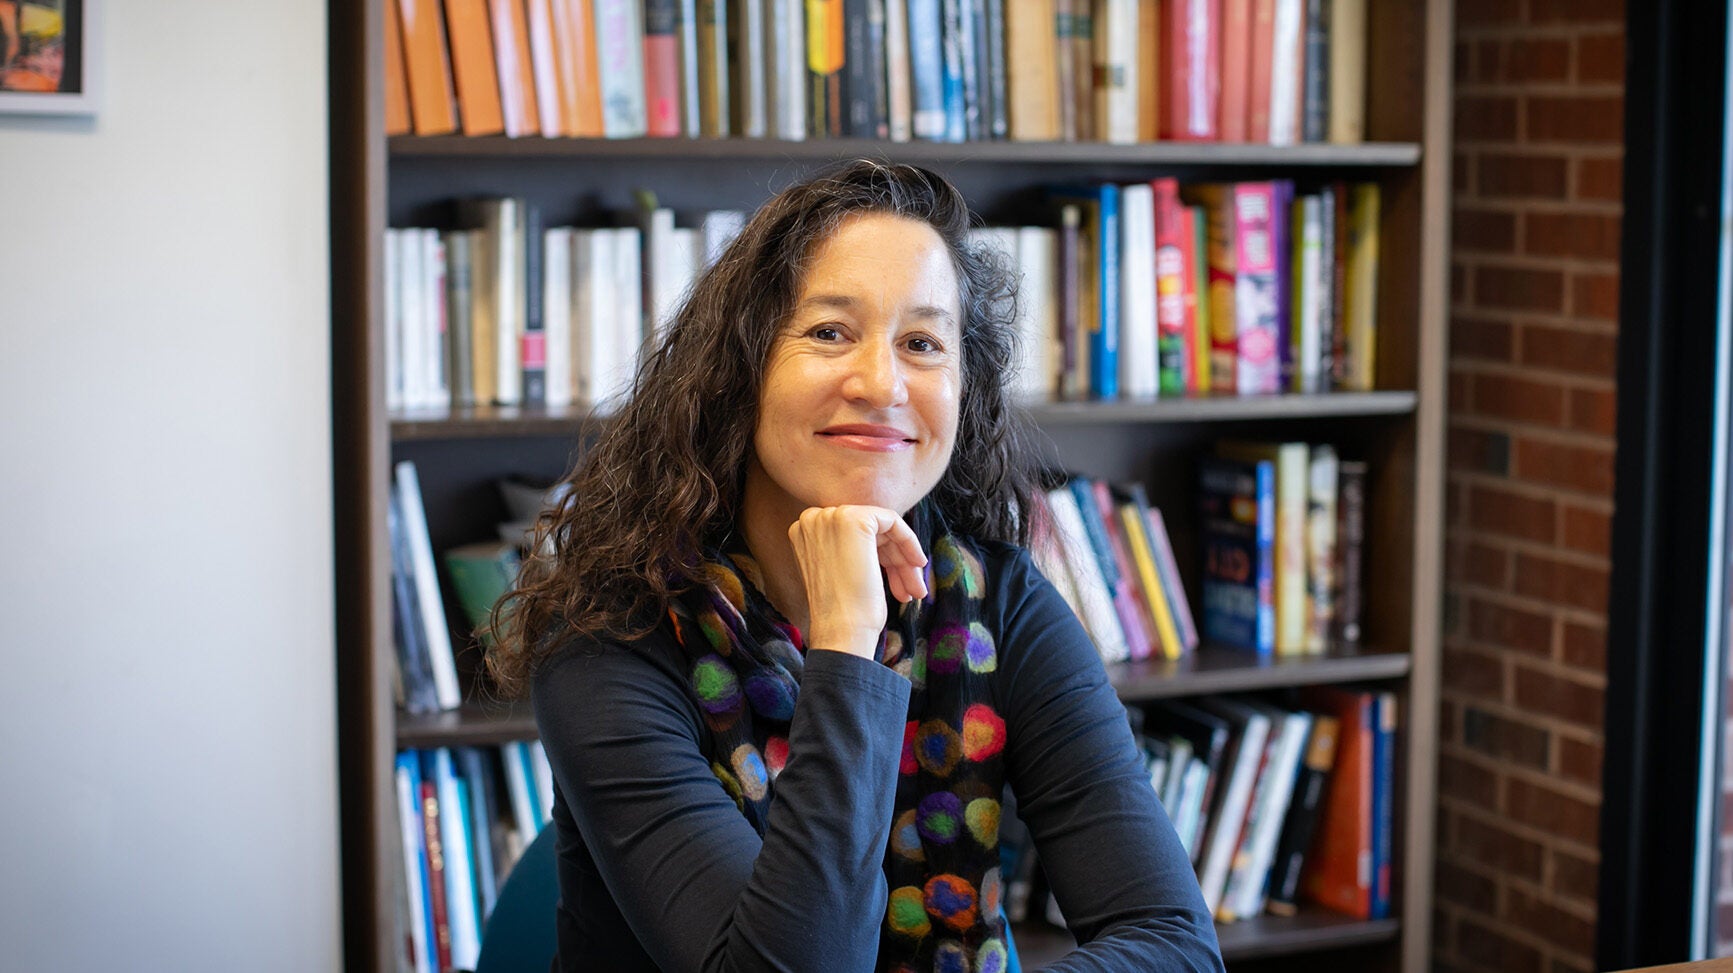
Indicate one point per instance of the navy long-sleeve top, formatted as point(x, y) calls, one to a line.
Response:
point(659, 871)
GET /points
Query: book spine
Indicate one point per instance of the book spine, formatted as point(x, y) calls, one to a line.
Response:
point(1082, 35)
point(1171, 231)
point(1097, 512)
point(1228, 527)
point(1116, 72)
point(1231, 815)
point(1154, 593)
point(972, 67)
point(415, 665)
point(460, 907)
point(713, 93)
point(1149, 83)
point(687, 29)
point(533, 353)
point(406, 776)
point(751, 66)
point(557, 315)
point(787, 87)
point(1032, 90)
point(1167, 568)
point(1312, 299)
point(1315, 102)
point(472, 66)
point(1099, 614)
point(1301, 821)
point(1038, 257)
point(620, 58)
point(1261, 74)
point(460, 302)
point(1220, 259)
point(858, 33)
point(1266, 562)
point(397, 120)
point(1139, 326)
point(433, 110)
point(825, 55)
point(1329, 290)
point(1383, 802)
point(1281, 252)
point(1065, 69)
point(1256, 296)
point(1348, 71)
point(478, 781)
point(1360, 373)
point(661, 68)
point(436, 885)
point(899, 93)
point(1104, 343)
point(1236, 25)
point(998, 94)
point(551, 113)
point(1198, 305)
point(927, 70)
point(427, 585)
point(1350, 548)
point(1321, 515)
point(1286, 64)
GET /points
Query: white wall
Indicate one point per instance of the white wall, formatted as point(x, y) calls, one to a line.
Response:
point(167, 718)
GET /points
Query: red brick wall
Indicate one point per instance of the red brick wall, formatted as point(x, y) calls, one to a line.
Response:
point(1539, 120)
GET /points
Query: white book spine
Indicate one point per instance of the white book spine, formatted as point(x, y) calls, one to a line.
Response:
point(1191, 806)
point(409, 823)
point(1295, 729)
point(1312, 288)
point(436, 386)
point(509, 311)
point(518, 787)
point(1116, 59)
point(1225, 833)
point(543, 774)
point(427, 586)
point(688, 29)
point(1139, 371)
point(899, 85)
point(542, 68)
point(557, 313)
point(787, 84)
point(1285, 61)
point(1099, 614)
point(592, 321)
point(514, 112)
point(719, 229)
point(394, 320)
point(412, 291)
point(629, 314)
point(1038, 336)
point(460, 909)
point(620, 51)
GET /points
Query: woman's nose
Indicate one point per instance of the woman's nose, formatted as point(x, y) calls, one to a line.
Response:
point(876, 375)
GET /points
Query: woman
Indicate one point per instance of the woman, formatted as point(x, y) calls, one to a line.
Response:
point(760, 763)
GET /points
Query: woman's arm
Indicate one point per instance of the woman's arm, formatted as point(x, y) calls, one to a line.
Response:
point(1117, 868)
point(697, 885)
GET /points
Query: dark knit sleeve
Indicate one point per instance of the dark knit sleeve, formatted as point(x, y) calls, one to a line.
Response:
point(1118, 870)
point(697, 886)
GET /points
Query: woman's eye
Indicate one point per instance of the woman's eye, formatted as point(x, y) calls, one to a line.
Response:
point(826, 333)
point(923, 345)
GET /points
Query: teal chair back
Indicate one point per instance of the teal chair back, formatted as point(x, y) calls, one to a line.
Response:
point(519, 936)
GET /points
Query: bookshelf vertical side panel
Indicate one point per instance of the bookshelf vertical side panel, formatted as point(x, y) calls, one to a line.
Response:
point(359, 463)
point(1420, 765)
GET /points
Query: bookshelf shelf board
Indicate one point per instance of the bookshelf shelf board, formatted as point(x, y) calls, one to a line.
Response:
point(485, 421)
point(1039, 944)
point(488, 421)
point(1367, 155)
point(1228, 408)
point(1223, 669)
point(472, 725)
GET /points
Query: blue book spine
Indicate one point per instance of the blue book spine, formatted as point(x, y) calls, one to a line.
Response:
point(1097, 531)
point(1383, 799)
point(521, 750)
point(927, 68)
point(1104, 344)
point(1266, 556)
point(482, 814)
point(409, 761)
point(954, 41)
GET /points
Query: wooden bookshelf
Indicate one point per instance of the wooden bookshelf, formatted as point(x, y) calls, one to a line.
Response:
point(378, 182)
point(1260, 937)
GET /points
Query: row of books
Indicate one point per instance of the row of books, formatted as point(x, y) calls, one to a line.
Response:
point(477, 574)
point(1140, 291)
point(465, 816)
point(1282, 526)
point(507, 312)
point(1161, 289)
point(1268, 71)
point(1111, 560)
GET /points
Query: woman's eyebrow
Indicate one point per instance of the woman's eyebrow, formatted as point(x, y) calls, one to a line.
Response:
point(845, 302)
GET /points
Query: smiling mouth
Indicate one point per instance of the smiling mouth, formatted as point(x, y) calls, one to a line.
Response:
point(872, 439)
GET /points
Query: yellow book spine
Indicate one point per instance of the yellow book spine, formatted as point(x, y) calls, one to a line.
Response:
point(1138, 540)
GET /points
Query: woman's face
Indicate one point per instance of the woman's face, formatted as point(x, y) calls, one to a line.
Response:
point(859, 403)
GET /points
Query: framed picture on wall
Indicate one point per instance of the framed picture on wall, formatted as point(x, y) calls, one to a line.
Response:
point(48, 59)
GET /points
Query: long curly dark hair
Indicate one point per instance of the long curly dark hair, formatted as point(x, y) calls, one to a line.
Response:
point(662, 484)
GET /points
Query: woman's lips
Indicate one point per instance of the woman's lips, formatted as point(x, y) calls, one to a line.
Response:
point(868, 438)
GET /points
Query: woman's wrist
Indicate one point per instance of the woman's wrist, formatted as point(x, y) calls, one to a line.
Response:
point(854, 641)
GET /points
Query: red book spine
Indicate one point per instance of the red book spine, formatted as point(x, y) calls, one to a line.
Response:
point(1236, 68)
point(1172, 227)
point(1263, 48)
point(436, 874)
point(662, 68)
point(1191, 58)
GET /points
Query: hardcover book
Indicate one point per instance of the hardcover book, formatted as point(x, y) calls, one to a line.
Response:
point(1236, 526)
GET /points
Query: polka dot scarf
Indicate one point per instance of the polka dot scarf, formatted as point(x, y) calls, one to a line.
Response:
point(942, 859)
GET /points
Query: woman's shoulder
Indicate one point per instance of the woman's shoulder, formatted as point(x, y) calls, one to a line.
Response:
point(586, 661)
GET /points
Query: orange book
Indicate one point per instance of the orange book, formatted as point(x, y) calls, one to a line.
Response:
point(511, 55)
point(472, 63)
point(1236, 69)
point(1338, 868)
point(575, 56)
point(1263, 52)
point(396, 86)
point(430, 98)
point(1148, 72)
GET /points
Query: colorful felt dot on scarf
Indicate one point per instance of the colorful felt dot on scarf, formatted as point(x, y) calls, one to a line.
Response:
point(945, 648)
point(776, 755)
point(718, 691)
point(772, 694)
point(982, 817)
point(728, 782)
point(980, 653)
point(906, 838)
point(918, 669)
point(991, 957)
point(939, 817)
point(937, 748)
point(906, 914)
point(728, 585)
point(711, 625)
point(909, 764)
point(983, 732)
point(951, 900)
point(783, 653)
point(957, 567)
point(749, 768)
point(950, 957)
point(992, 892)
